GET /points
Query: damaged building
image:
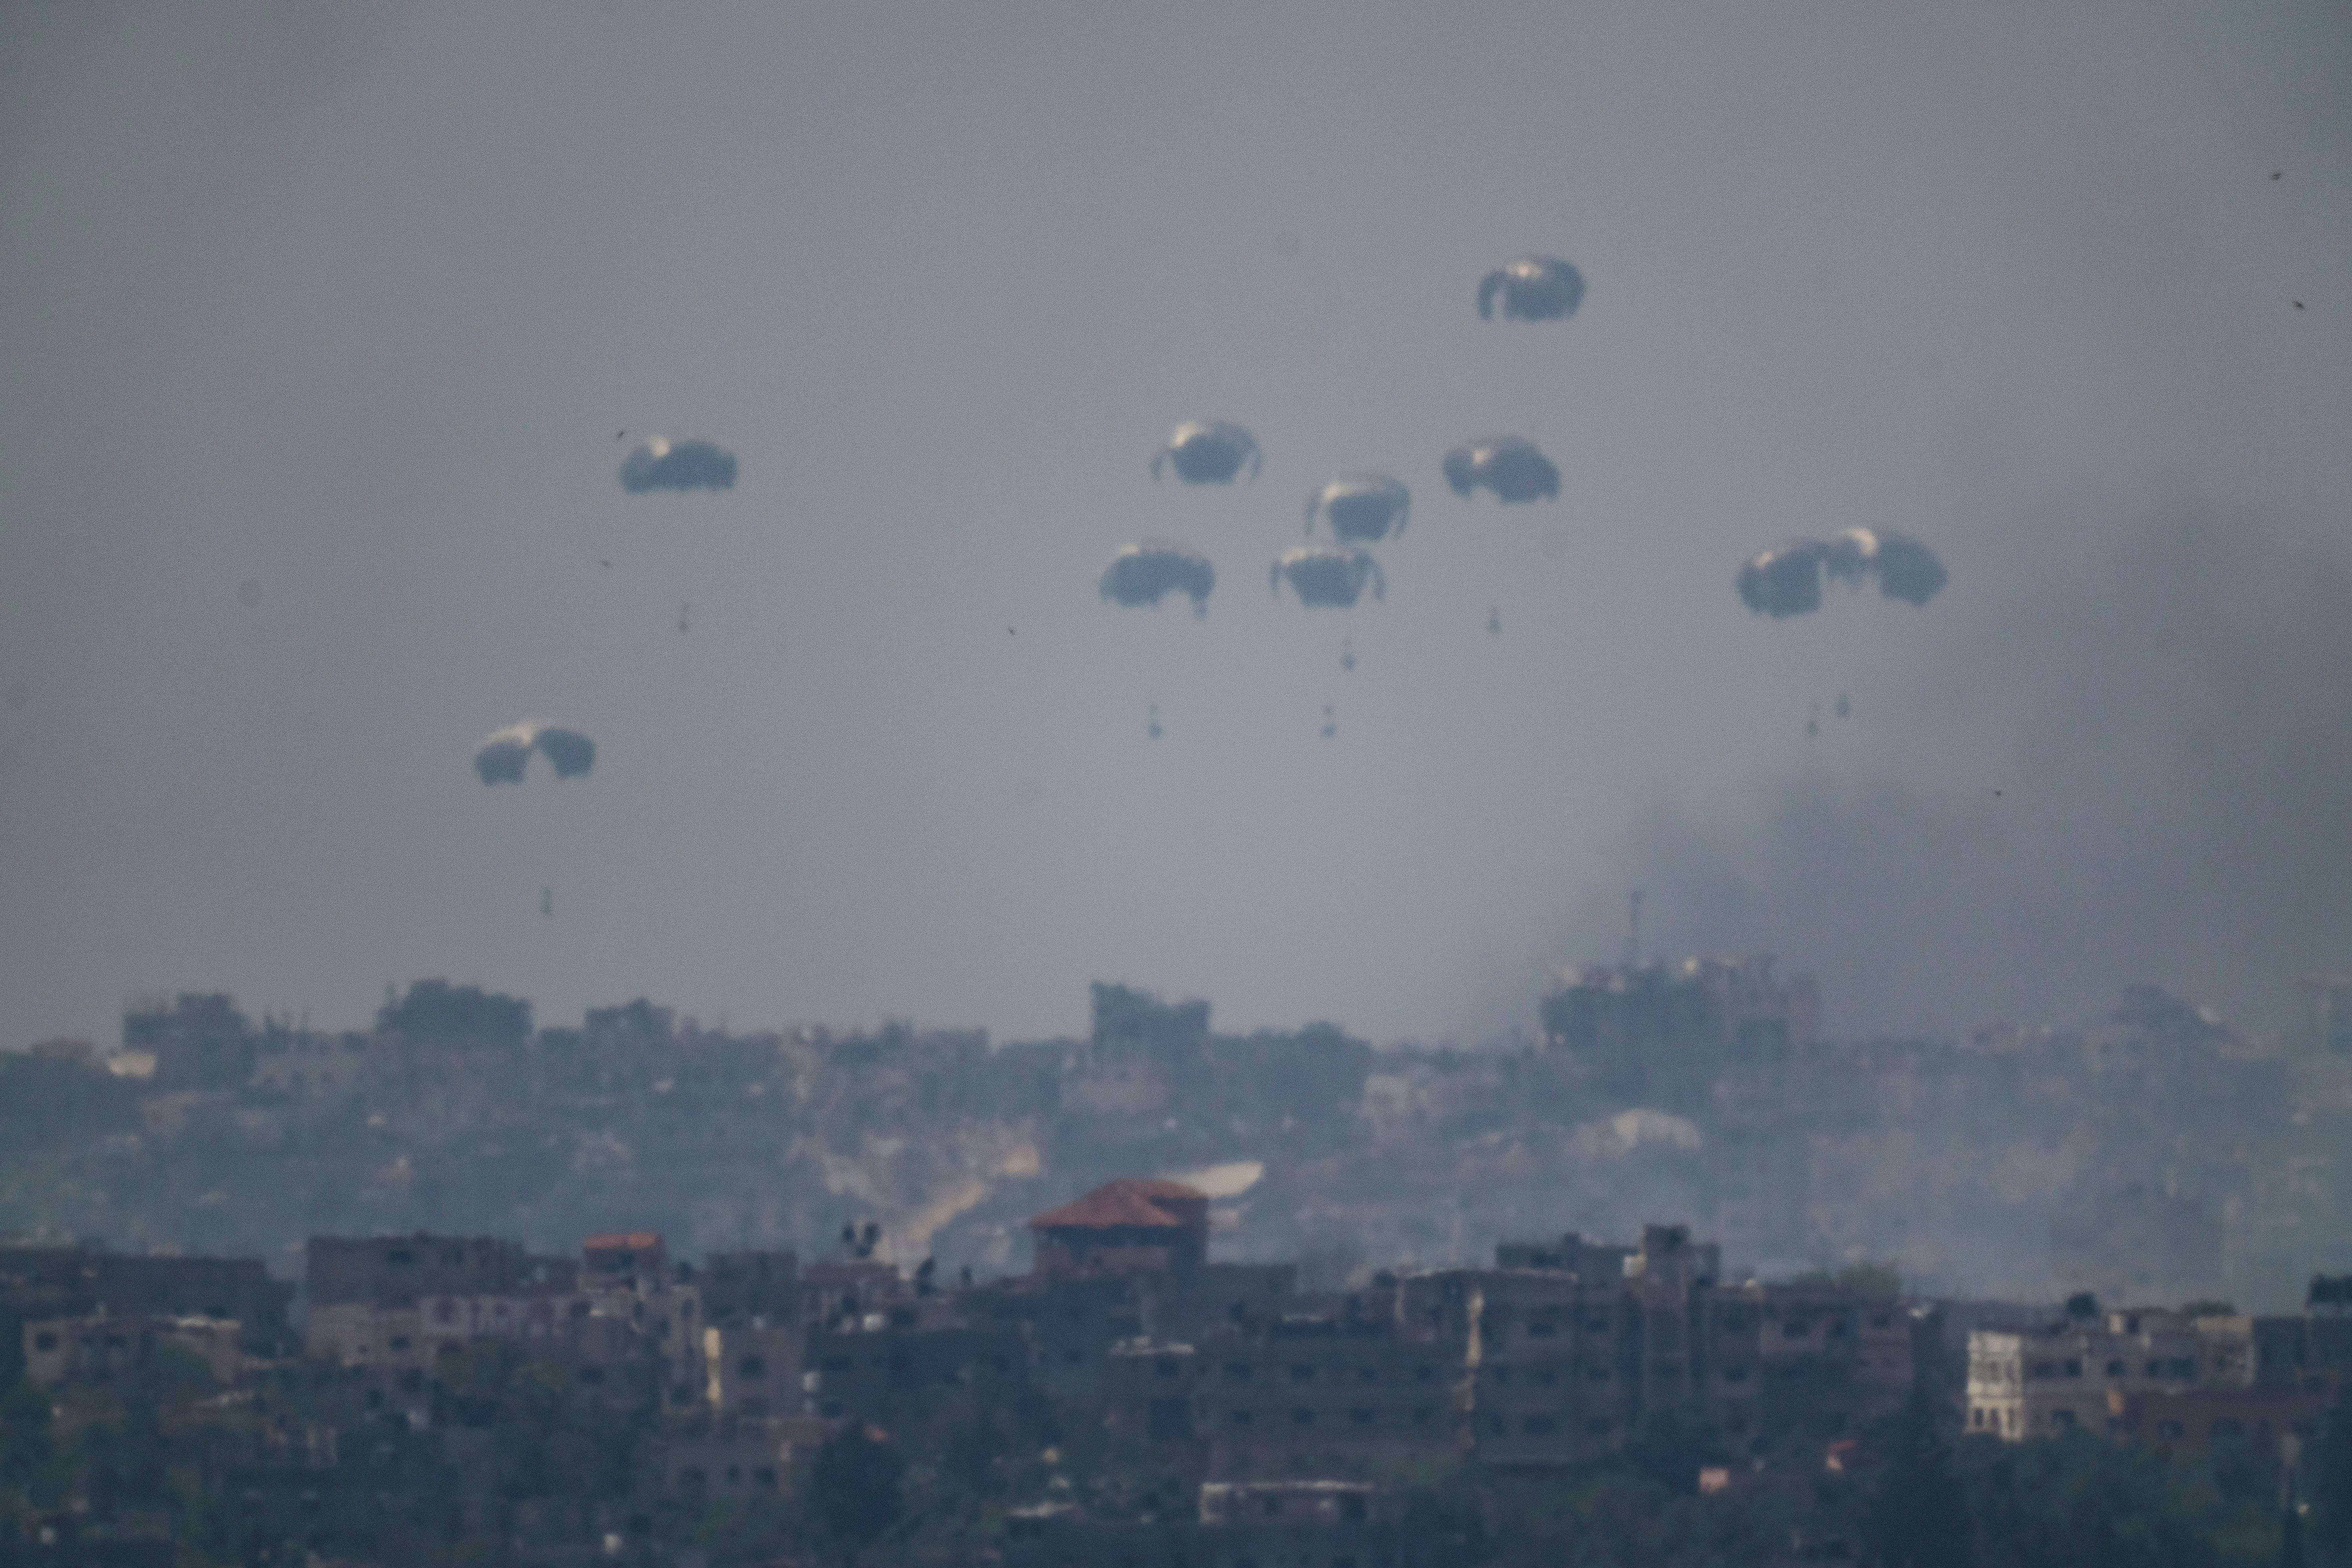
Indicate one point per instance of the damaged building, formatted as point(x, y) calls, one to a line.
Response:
point(1661, 1034)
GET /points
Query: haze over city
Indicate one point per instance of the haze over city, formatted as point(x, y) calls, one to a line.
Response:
point(322, 327)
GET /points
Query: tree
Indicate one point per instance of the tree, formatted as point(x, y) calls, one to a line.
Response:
point(1917, 1515)
point(853, 1483)
point(2326, 1482)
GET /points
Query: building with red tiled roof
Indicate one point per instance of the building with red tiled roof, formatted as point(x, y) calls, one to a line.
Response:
point(626, 1254)
point(1130, 1225)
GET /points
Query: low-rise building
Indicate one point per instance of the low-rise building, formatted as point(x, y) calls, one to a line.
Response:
point(737, 1459)
point(2165, 1376)
point(1355, 1383)
point(860, 1373)
point(101, 1347)
point(76, 1281)
point(754, 1368)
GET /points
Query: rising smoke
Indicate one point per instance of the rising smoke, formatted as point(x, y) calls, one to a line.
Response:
point(2161, 789)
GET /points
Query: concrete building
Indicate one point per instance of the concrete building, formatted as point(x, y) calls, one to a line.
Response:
point(2157, 1375)
point(73, 1281)
point(1326, 1384)
point(101, 1348)
point(859, 1374)
point(1523, 1367)
point(627, 1278)
point(1126, 1226)
point(1128, 1262)
point(754, 1367)
point(736, 1459)
point(400, 1270)
point(738, 1287)
point(1661, 1035)
point(395, 1303)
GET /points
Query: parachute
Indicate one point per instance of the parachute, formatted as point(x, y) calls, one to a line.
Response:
point(658, 463)
point(1507, 465)
point(1326, 575)
point(1534, 288)
point(505, 752)
point(1907, 570)
point(1208, 452)
point(1784, 582)
point(1361, 506)
point(1787, 581)
point(1147, 573)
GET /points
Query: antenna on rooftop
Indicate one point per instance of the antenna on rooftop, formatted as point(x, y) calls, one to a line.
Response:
point(1633, 929)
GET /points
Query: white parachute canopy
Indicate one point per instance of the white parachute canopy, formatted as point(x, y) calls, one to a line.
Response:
point(505, 752)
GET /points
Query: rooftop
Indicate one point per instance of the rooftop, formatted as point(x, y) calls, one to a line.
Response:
point(1128, 1204)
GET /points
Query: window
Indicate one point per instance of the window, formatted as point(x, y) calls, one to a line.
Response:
point(1242, 1419)
point(1794, 1329)
point(1421, 1414)
point(1351, 1508)
point(2064, 1420)
point(765, 1476)
point(1423, 1374)
point(1302, 1417)
point(2156, 1369)
point(2073, 1368)
point(1304, 1371)
point(45, 1341)
point(751, 1368)
point(1598, 1427)
point(1735, 1374)
point(591, 1375)
point(400, 1342)
point(446, 1312)
point(1165, 1366)
point(1367, 1374)
point(1540, 1329)
point(1237, 1371)
point(1361, 1417)
point(1539, 1426)
point(2045, 1369)
point(2114, 1369)
point(734, 1474)
point(2183, 1367)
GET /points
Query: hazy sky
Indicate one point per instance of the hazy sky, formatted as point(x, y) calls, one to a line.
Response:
point(346, 314)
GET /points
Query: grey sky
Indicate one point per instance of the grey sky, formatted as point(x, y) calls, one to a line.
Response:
point(352, 311)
